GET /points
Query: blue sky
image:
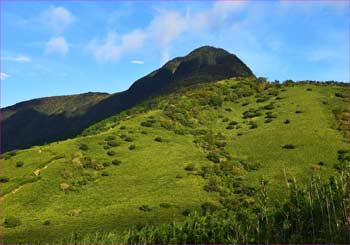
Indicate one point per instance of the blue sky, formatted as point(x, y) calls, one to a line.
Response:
point(57, 48)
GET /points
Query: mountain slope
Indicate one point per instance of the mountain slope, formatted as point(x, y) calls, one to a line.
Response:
point(172, 151)
point(24, 126)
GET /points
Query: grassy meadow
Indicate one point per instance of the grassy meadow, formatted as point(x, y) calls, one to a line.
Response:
point(168, 158)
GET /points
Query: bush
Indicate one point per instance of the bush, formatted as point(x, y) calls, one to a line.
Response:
point(106, 147)
point(106, 164)
point(11, 221)
point(122, 127)
point(269, 106)
point(228, 109)
point(144, 132)
point(230, 127)
point(287, 121)
point(128, 139)
point(309, 89)
point(213, 185)
point(225, 119)
point(132, 147)
point(145, 208)
point(186, 212)
point(214, 157)
point(251, 113)
point(298, 111)
point(113, 143)
point(268, 120)
point(289, 146)
point(83, 147)
point(320, 163)
point(165, 205)
point(146, 124)
point(216, 101)
point(111, 153)
point(110, 137)
point(104, 174)
point(233, 123)
point(116, 162)
point(19, 164)
point(189, 167)
point(269, 114)
point(253, 125)
point(158, 139)
point(47, 222)
point(4, 179)
point(340, 95)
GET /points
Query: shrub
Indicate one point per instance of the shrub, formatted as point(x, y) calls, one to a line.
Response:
point(289, 146)
point(228, 109)
point(111, 153)
point(19, 164)
point(309, 89)
point(225, 119)
point(186, 212)
point(221, 144)
point(132, 147)
point(189, 167)
point(113, 143)
point(179, 176)
point(165, 205)
point(4, 179)
point(158, 139)
point(145, 208)
point(269, 106)
point(83, 147)
point(146, 124)
point(298, 111)
point(47, 222)
point(268, 120)
point(287, 121)
point(230, 127)
point(110, 137)
point(253, 125)
point(104, 174)
point(213, 185)
point(106, 164)
point(128, 139)
point(278, 98)
point(11, 221)
point(245, 103)
point(144, 132)
point(321, 163)
point(269, 114)
point(233, 123)
point(251, 113)
point(340, 95)
point(106, 147)
point(214, 157)
point(122, 127)
point(116, 162)
point(216, 101)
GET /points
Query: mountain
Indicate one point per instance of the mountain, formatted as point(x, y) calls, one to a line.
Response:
point(207, 153)
point(27, 124)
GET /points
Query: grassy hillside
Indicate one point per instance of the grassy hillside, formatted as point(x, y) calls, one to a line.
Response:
point(162, 160)
point(44, 120)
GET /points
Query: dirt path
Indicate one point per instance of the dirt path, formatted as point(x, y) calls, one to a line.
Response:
point(36, 172)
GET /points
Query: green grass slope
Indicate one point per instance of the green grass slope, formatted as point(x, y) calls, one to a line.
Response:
point(163, 159)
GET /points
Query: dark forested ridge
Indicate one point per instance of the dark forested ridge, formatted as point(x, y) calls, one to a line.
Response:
point(45, 120)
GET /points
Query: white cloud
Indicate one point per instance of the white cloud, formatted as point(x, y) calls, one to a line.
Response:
point(139, 62)
point(18, 58)
point(112, 47)
point(57, 18)
point(164, 28)
point(3, 76)
point(57, 45)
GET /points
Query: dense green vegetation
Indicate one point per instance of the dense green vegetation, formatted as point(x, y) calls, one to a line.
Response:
point(200, 165)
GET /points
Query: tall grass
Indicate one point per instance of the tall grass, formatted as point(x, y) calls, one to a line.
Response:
point(316, 213)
